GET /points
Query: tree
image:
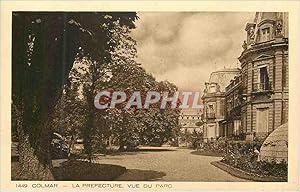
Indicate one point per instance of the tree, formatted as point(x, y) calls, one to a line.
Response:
point(122, 73)
point(96, 75)
point(159, 124)
point(44, 47)
point(144, 126)
point(69, 115)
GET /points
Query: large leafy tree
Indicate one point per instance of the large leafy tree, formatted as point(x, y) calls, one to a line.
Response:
point(126, 124)
point(69, 116)
point(157, 125)
point(121, 73)
point(97, 75)
point(44, 47)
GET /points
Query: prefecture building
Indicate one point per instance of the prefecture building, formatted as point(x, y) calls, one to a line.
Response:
point(213, 102)
point(264, 63)
point(253, 101)
point(233, 104)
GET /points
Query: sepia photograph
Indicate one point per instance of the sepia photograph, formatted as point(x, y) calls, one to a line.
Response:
point(150, 96)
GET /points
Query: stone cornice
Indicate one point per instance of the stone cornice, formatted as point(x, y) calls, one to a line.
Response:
point(258, 47)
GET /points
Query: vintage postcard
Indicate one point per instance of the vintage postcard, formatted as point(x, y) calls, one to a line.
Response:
point(149, 96)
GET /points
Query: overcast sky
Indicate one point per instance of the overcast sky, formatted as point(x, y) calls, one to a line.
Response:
point(185, 47)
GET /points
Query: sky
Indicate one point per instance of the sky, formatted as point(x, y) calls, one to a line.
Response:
point(185, 47)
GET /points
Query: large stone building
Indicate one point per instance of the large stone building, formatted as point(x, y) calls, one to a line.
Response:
point(264, 74)
point(213, 102)
point(251, 102)
point(233, 103)
point(189, 122)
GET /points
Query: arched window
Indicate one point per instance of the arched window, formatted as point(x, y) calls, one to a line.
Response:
point(265, 34)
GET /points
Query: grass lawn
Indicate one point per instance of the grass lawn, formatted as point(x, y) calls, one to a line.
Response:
point(75, 170)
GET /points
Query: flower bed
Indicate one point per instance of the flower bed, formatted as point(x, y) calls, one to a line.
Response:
point(245, 174)
point(248, 162)
point(241, 155)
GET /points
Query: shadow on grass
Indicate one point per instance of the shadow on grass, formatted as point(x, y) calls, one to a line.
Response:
point(134, 152)
point(207, 153)
point(75, 170)
point(155, 150)
point(141, 175)
point(120, 153)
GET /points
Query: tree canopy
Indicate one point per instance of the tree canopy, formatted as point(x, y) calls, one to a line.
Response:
point(45, 46)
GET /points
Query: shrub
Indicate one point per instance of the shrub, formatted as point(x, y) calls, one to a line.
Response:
point(243, 157)
point(240, 154)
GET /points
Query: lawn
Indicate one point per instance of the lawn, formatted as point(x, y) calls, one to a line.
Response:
point(75, 170)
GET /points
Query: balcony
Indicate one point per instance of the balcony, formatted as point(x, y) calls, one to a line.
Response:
point(210, 115)
point(262, 87)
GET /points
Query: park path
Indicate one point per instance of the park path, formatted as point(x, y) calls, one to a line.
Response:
point(168, 164)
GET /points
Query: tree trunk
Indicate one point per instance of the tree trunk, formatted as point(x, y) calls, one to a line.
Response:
point(121, 144)
point(87, 136)
point(72, 144)
point(122, 147)
point(30, 166)
point(110, 138)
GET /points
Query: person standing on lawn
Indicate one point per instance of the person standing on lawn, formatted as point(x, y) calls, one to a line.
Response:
point(256, 151)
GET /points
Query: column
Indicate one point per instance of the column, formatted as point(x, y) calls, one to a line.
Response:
point(278, 88)
point(249, 91)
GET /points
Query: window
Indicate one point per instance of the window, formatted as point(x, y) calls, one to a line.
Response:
point(222, 103)
point(210, 111)
point(210, 108)
point(244, 122)
point(211, 131)
point(236, 99)
point(262, 79)
point(236, 127)
point(262, 120)
point(265, 34)
point(212, 88)
point(229, 103)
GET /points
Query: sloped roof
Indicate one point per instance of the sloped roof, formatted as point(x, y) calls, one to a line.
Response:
point(223, 77)
point(261, 16)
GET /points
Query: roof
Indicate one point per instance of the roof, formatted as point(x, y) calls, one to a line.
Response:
point(223, 77)
point(261, 16)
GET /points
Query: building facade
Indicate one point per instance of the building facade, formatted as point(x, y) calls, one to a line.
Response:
point(264, 74)
point(253, 101)
point(233, 104)
point(189, 122)
point(213, 103)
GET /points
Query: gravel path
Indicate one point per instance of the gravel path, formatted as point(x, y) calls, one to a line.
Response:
point(168, 164)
